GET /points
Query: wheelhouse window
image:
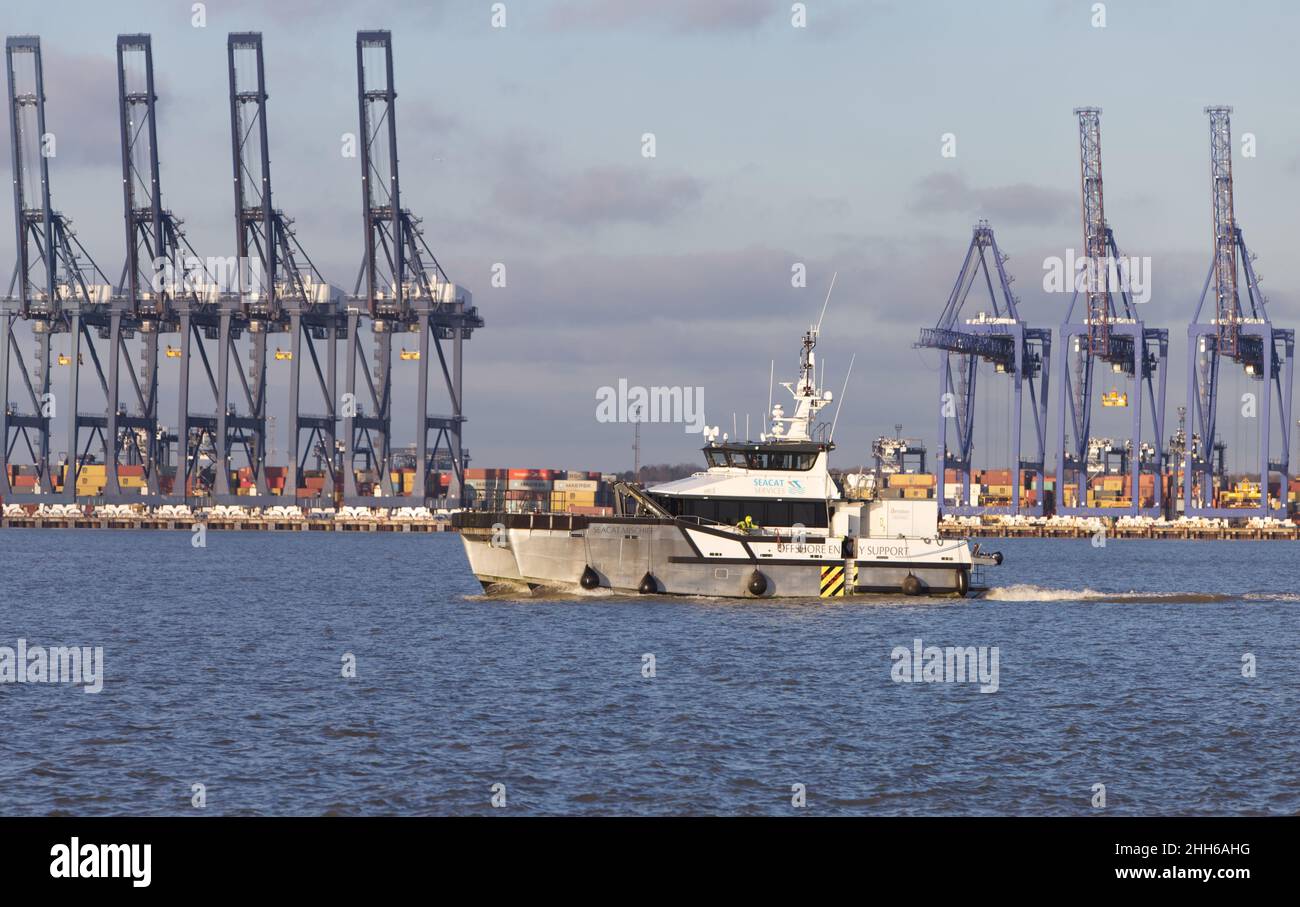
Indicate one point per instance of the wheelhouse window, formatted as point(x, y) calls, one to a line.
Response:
point(780, 459)
point(719, 457)
point(763, 511)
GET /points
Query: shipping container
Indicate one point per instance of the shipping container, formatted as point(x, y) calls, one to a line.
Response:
point(478, 473)
point(526, 474)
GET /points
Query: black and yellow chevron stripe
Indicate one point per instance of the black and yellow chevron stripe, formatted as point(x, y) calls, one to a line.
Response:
point(833, 582)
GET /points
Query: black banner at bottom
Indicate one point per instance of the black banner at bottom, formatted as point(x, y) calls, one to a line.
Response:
point(339, 855)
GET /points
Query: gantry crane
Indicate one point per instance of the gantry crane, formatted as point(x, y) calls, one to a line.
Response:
point(222, 309)
point(1242, 335)
point(1111, 333)
point(162, 275)
point(401, 287)
point(998, 337)
point(281, 289)
point(59, 290)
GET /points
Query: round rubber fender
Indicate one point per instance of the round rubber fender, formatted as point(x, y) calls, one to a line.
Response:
point(963, 581)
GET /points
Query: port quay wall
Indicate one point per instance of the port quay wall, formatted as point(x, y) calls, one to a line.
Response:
point(387, 521)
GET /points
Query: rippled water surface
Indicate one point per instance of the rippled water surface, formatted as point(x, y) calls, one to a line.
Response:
point(1119, 665)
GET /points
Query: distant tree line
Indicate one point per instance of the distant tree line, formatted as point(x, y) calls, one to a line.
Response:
point(661, 472)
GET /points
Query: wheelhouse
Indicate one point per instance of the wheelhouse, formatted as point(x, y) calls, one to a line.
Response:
point(788, 457)
point(775, 484)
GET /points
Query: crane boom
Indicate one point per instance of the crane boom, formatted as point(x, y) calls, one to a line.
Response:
point(1228, 304)
point(1094, 230)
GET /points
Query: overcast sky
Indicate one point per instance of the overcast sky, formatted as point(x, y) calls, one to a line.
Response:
point(775, 145)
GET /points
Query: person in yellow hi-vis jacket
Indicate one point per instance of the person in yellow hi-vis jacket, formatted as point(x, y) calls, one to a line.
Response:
point(747, 524)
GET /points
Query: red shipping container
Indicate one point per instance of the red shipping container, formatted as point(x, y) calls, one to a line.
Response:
point(544, 474)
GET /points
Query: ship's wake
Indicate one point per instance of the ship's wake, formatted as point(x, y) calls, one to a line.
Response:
point(1027, 592)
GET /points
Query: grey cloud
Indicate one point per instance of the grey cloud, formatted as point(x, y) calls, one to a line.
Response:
point(598, 195)
point(881, 282)
point(426, 118)
point(672, 15)
point(304, 13)
point(713, 318)
point(80, 109)
point(1013, 204)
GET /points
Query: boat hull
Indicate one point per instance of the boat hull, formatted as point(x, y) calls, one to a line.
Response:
point(670, 557)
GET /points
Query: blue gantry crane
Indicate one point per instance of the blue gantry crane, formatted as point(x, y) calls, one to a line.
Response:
point(281, 290)
point(400, 288)
point(220, 322)
point(1240, 334)
point(996, 337)
point(164, 282)
point(1111, 333)
point(57, 289)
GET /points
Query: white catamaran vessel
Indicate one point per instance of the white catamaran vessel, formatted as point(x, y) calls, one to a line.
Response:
point(763, 520)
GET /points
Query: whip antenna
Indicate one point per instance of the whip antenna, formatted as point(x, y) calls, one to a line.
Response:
point(827, 302)
point(771, 377)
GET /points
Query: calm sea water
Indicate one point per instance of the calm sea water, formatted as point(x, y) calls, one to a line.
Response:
point(1119, 666)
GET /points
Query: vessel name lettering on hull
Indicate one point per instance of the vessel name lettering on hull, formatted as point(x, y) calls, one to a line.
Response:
point(820, 550)
point(885, 550)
